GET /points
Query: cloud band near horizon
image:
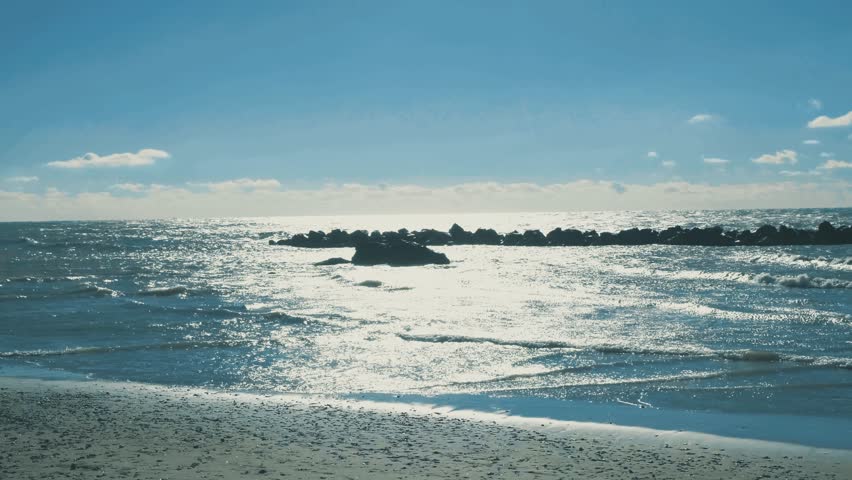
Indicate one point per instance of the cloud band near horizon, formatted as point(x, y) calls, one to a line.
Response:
point(159, 201)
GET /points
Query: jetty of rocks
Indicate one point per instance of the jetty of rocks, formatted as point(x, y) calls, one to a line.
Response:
point(767, 235)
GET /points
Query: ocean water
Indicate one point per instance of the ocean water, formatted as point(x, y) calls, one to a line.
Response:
point(208, 302)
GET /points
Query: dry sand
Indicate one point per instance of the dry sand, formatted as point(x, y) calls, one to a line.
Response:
point(64, 429)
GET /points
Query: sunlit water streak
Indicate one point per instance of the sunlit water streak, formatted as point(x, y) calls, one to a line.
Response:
point(209, 302)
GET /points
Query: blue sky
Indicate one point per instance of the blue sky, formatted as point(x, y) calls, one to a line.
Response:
point(310, 97)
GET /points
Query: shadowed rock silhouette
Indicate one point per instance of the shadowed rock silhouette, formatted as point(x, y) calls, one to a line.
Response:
point(767, 235)
point(397, 253)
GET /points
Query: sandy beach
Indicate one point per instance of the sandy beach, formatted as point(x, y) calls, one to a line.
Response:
point(67, 429)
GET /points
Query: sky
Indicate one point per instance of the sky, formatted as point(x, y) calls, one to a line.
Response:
point(122, 109)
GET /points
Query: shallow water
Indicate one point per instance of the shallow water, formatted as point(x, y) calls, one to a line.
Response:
point(210, 303)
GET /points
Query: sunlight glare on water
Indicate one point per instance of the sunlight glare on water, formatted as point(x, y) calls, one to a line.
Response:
point(209, 302)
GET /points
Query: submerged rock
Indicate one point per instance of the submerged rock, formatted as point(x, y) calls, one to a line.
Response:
point(400, 253)
point(332, 261)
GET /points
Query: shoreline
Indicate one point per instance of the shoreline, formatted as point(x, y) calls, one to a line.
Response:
point(74, 429)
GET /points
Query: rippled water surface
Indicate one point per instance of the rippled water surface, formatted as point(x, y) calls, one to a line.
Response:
point(209, 302)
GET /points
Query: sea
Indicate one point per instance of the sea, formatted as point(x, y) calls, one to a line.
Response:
point(755, 338)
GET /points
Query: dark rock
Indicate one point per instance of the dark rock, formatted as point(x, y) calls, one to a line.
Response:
point(824, 234)
point(486, 237)
point(566, 238)
point(298, 240)
point(432, 237)
point(332, 261)
point(398, 254)
point(634, 236)
point(745, 237)
point(338, 238)
point(606, 238)
point(316, 239)
point(766, 235)
point(459, 235)
point(534, 238)
point(668, 234)
point(844, 234)
point(708, 237)
point(358, 237)
point(591, 237)
point(789, 236)
point(391, 236)
point(513, 239)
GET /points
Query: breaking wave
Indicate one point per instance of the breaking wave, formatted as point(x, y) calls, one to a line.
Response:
point(745, 355)
point(553, 344)
point(284, 317)
point(791, 281)
point(93, 290)
point(165, 291)
point(801, 281)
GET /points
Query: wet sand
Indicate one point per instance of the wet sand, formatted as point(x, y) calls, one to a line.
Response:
point(67, 429)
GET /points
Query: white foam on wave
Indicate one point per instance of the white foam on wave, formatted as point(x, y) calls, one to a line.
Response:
point(797, 260)
point(165, 291)
point(284, 317)
point(95, 291)
point(555, 344)
point(792, 281)
point(744, 355)
point(800, 281)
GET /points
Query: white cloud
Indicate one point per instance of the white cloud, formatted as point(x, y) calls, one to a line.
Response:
point(652, 154)
point(716, 161)
point(778, 158)
point(823, 121)
point(832, 164)
point(146, 156)
point(22, 179)
point(668, 163)
point(701, 117)
point(799, 173)
point(811, 142)
point(130, 187)
point(170, 201)
point(826, 154)
point(815, 104)
point(240, 184)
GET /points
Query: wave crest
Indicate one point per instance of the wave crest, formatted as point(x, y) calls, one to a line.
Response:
point(746, 355)
point(165, 291)
point(801, 281)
